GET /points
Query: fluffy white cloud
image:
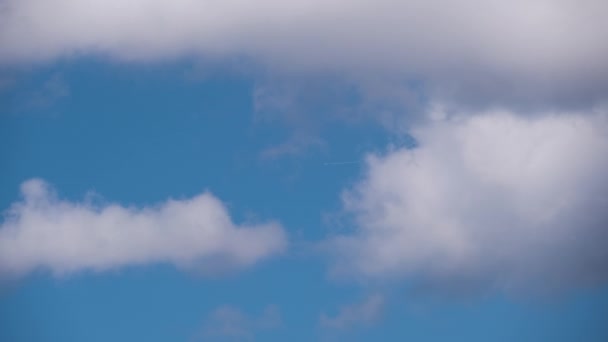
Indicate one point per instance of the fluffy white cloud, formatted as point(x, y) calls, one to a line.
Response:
point(551, 48)
point(494, 200)
point(44, 232)
point(365, 312)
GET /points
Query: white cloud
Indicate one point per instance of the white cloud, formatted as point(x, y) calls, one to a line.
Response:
point(365, 312)
point(230, 322)
point(45, 232)
point(491, 200)
point(543, 48)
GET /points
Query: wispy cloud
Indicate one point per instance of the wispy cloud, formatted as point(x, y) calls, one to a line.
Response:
point(296, 145)
point(363, 313)
point(52, 90)
point(231, 323)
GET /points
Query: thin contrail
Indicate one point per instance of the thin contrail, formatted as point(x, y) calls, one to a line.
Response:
point(341, 163)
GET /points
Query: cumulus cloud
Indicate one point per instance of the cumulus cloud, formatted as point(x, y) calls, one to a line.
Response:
point(231, 323)
point(547, 48)
point(44, 232)
point(490, 200)
point(365, 312)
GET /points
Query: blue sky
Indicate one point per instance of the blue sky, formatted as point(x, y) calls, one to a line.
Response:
point(195, 171)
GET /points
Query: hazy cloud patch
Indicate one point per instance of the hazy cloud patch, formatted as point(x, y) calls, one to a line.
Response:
point(351, 316)
point(228, 322)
